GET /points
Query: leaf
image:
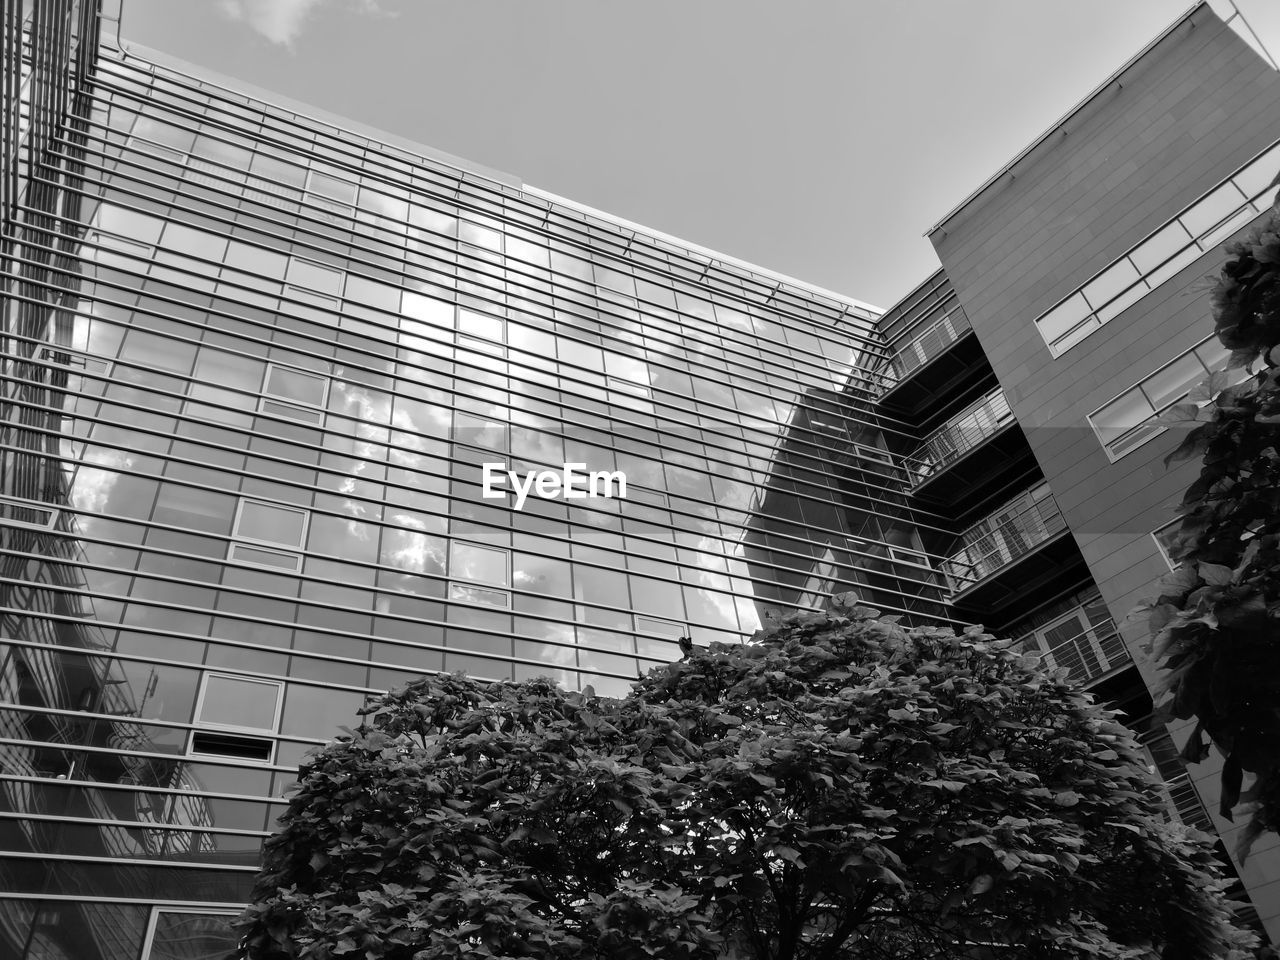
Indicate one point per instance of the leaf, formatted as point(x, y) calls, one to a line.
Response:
point(1214, 574)
point(1232, 777)
point(981, 884)
point(790, 854)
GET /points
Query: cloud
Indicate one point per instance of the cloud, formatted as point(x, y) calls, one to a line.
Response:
point(280, 21)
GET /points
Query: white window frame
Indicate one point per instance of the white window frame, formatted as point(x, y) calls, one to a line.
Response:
point(310, 413)
point(335, 210)
point(148, 940)
point(466, 583)
point(332, 298)
point(268, 546)
point(682, 629)
point(26, 504)
point(1160, 547)
point(234, 728)
point(1198, 243)
point(1153, 429)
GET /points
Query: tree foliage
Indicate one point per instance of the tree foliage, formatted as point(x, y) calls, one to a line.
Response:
point(1216, 620)
point(840, 787)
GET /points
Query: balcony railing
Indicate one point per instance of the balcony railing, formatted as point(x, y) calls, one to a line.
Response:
point(1011, 532)
point(1183, 801)
point(1084, 642)
point(922, 347)
point(959, 435)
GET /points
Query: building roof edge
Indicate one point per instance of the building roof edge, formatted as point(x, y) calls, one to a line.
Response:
point(1071, 112)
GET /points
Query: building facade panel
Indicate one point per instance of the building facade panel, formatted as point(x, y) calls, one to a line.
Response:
point(1090, 308)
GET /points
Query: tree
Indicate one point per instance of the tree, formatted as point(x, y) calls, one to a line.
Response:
point(840, 787)
point(1216, 620)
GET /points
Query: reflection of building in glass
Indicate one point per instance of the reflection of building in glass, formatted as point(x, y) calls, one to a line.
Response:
point(252, 403)
point(255, 359)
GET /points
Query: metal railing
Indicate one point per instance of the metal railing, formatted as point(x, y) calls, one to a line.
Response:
point(959, 435)
point(1089, 653)
point(1004, 536)
point(1180, 793)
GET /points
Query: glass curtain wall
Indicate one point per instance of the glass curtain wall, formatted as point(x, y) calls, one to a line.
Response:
point(254, 403)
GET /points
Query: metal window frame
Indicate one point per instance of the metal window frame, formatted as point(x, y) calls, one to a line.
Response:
point(1156, 429)
point(268, 397)
point(1160, 547)
point(266, 732)
point(24, 503)
point(302, 537)
point(1202, 241)
point(321, 265)
point(148, 940)
point(506, 551)
point(505, 593)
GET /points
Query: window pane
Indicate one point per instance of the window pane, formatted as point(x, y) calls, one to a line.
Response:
point(427, 309)
point(136, 226)
point(480, 325)
point(296, 385)
point(1160, 246)
point(241, 703)
point(1213, 354)
point(469, 594)
point(1165, 386)
point(1110, 283)
point(193, 243)
point(255, 260)
point(185, 936)
point(344, 191)
point(1213, 208)
point(468, 561)
point(480, 236)
point(1127, 410)
point(265, 521)
point(315, 277)
point(1254, 178)
point(1059, 321)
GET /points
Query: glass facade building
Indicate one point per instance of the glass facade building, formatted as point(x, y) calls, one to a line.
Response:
point(256, 368)
point(254, 365)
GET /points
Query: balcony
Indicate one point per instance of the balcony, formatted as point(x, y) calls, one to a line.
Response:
point(959, 435)
point(1019, 549)
point(1084, 642)
point(1182, 799)
point(931, 367)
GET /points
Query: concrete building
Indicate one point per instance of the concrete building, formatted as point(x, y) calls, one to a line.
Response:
point(1072, 307)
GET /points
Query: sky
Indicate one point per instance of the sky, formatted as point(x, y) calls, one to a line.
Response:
point(818, 138)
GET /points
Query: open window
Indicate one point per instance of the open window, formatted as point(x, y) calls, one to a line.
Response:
point(296, 394)
point(237, 717)
point(476, 572)
point(184, 934)
point(268, 535)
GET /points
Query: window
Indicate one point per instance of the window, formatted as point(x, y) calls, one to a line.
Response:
point(174, 934)
point(1125, 423)
point(1210, 220)
point(333, 194)
point(236, 712)
point(288, 392)
point(1165, 537)
point(314, 277)
point(480, 325)
point(483, 565)
point(31, 514)
point(261, 528)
